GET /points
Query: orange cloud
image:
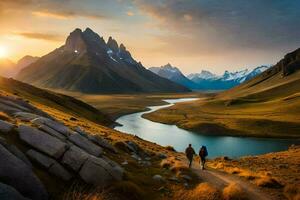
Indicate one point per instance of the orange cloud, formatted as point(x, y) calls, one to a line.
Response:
point(66, 14)
point(41, 36)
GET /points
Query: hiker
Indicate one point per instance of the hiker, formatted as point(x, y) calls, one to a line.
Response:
point(189, 152)
point(203, 153)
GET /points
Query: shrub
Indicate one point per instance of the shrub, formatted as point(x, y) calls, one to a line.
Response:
point(268, 182)
point(292, 192)
point(234, 192)
point(170, 148)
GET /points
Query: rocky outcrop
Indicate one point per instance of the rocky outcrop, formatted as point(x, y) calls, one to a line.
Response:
point(14, 172)
point(75, 157)
point(53, 125)
point(9, 193)
point(5, 127)
point(50, 146)
point(98, 171)
point(102, 142)
point(42, 141)
point(85, 144)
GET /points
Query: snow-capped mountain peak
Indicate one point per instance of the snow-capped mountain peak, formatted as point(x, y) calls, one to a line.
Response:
point(202, 75)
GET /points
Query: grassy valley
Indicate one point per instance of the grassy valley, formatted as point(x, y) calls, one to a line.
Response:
point(116, 105)
point(266, 106)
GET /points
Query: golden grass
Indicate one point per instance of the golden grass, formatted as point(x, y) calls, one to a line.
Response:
point(292, 192)
point(234, 192)
point(127, 189)
point(79, 192)
point(203, 191)
point(4, 116)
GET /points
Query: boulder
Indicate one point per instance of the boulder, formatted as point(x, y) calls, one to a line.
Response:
point(40, 158)
point(9, 193)
point(52, 132)
point(74, 158)
point(14, 150)
point(86, 144)
point(8, 109)
point(14, 172)
point(136, 149)
point(98, 172)
point(42, 141)
point(59, 171)
point(102, 142)
point(25, 116)
point(5, 127)
point(57, 126)
point(12, 104)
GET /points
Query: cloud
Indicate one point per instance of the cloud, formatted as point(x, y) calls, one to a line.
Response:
point(234, 24)
point(130, 13)
point(63, 9)
point(41, 36)
point(66, 14)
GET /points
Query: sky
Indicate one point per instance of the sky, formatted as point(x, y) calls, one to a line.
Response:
point(194, 35)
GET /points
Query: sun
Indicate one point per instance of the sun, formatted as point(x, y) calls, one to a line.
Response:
point(3, 52)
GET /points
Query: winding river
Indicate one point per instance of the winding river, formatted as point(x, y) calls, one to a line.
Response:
point(179, 138)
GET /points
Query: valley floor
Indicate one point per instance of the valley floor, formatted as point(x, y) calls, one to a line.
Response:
point(239, 117)
point(116, 105)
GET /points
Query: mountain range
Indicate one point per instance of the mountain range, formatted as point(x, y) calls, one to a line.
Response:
point(206, 80)
point(174, 74)
point(88, 64)
point(10, 69)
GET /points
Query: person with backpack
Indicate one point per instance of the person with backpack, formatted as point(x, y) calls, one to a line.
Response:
point(203, 153)
point(190, 152)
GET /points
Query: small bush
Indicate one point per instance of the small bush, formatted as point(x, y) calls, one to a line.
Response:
point(166, 163)
point(121, 146)
point(128, 190)
point(203, 191)
point(292, 192)
point(268, 182)
point(170, 148)
point(234, 192)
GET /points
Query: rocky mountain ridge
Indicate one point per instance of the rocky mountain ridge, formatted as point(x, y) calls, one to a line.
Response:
point(86, 63)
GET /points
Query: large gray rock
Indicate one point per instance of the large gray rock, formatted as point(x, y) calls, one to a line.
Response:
point(102, 142)
point(41, 159)
point(60, 171)
point(57, 126)
point(14, 150)
point(13, 104)
point(8, 109)
point(52, 132)
point(9, 193)
point(85, 144)
point(75, 157)
point(42, 141)
point(25, 116)
point(17, 174)
point(98, 172)
point(53, 167)
point(5, 127)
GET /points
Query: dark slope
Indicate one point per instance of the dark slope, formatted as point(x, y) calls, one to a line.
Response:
point(58, 101)
point(87, 64)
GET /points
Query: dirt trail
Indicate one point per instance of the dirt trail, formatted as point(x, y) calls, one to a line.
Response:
point(221, 180)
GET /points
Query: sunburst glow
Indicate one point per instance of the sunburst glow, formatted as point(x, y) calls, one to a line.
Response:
point(3, 52)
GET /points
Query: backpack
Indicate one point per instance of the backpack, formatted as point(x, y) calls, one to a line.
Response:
point(205, 151)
